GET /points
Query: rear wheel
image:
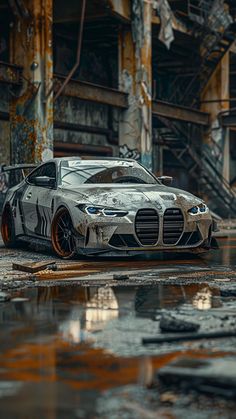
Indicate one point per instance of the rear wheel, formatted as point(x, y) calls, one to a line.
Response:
point(63, 240)
point(8, 228)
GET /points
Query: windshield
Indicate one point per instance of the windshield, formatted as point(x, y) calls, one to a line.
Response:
point(86, 171)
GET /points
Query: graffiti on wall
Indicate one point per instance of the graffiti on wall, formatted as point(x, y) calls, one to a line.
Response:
point(128, 153)
point(4, 185)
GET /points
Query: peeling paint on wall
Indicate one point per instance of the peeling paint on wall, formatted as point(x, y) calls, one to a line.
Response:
point(136, 80)
point(4, 185)
point(31, 109)
point(4, 127)
point(4, 142)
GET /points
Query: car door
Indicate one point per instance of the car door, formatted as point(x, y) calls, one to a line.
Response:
point(37, 203)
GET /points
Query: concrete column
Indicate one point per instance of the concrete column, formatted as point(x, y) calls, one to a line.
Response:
point(214, 94)
point(135, 78)
point(31, 108)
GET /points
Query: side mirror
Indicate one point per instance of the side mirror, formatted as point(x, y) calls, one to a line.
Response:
point(165, 180)
point(45, 181)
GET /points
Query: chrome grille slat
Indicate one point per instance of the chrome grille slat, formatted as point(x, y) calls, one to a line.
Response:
point(173, 225)
point(147, 226)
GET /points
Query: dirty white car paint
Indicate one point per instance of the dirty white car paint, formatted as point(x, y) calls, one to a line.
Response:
point(104, 206)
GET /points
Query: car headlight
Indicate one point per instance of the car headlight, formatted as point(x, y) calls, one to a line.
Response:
point(198, 209)
point(105, 211)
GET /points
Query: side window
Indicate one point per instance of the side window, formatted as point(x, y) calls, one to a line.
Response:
point(48, 169)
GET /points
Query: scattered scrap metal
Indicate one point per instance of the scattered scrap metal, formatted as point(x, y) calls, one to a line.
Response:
point(189, 336)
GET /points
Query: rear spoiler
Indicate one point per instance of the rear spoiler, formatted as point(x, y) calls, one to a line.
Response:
point(4, 168)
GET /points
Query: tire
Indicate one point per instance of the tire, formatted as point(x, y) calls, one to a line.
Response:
point(63, 240)
point(8, 228)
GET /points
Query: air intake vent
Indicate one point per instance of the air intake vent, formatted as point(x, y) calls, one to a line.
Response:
point(123, 240)
point(173, 225)
point(147, 226)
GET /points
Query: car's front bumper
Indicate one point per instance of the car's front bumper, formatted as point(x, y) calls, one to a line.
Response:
point(119, 234)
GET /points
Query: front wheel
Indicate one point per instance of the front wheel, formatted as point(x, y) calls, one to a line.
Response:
point(8, 228)
point(63, 240)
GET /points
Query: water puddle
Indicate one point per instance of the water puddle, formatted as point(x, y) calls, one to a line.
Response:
point(62, 347)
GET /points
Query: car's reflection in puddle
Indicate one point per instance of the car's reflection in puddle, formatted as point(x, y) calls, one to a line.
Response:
point(49, 366)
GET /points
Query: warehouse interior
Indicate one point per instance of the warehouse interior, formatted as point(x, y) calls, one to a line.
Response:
point(152, 80)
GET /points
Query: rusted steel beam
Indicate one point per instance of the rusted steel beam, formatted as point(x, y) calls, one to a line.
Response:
point(83, 128)
point(119, 99)
point(120, 8)
point(116, 98)
point(180, 113)
point(66, 149)
point(31, 112)
point(92, 92)
point(228, 121)
point(10, 74)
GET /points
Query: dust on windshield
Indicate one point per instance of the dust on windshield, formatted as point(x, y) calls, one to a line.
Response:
point(81, 172)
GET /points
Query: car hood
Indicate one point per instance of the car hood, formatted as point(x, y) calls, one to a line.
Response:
point(132, 196)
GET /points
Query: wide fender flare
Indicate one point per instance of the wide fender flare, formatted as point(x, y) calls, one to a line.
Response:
point(70, 209)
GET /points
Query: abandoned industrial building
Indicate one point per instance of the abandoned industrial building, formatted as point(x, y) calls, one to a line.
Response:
point(117, 290)
point(152, 80)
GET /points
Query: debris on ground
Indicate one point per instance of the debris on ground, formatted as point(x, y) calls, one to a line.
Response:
point(181, 337)
point(120, 277)
point(168, 397)
point(33, 267)
point(215, 376)
point(52, 275)
point(4, 297)
point(176, 324)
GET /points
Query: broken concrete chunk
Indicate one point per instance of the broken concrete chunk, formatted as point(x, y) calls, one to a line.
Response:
point(170, 323)
point(213, 376)
point(120, 277)
point(228, 292)
point(4, 297)
point(33, 267)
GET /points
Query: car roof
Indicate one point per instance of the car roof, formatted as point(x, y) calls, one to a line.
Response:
point(93, 158)
point(58, 159)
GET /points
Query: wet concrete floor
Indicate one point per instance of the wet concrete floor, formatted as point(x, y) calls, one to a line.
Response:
point(72, 347)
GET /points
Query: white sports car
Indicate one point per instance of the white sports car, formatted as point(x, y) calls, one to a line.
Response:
point(104, 206)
